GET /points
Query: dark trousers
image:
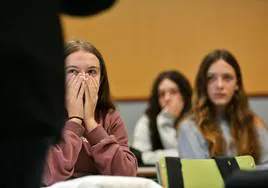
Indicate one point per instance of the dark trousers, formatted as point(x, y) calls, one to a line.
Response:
point(22, 161)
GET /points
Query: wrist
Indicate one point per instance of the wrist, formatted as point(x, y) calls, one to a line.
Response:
point(91, 124)
point(168, 114)
point(75, 119)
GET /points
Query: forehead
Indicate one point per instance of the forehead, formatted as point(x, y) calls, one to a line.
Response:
point(82, 59)
point(221, 67)
point(167, 84)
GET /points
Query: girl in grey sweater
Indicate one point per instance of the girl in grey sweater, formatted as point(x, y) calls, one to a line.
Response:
point(222, 123)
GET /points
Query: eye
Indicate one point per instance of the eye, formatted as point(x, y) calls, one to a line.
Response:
point(161, 93)
point(173, 91)
point(228, 77)
point(211, 78)
point(92, 72)
point(72, 71)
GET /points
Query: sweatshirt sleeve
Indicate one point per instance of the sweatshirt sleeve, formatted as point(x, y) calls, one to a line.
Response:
point(63, 156)
point(142, 142)
point(141, 137)
point(110, 149)
point(151, 157)
point(191, 143)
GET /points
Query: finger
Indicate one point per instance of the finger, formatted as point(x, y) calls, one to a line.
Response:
point(81, 91)
point(166, 109)
point(70, 80)
point(166, 105)
point(94, 91)
point(73, 82)
point(69, 89)
point(87, 95)
point(89, 87)
point(94, 85)
point(86, 92)
point(86, 77)
point(69, 77)
point(77, 84)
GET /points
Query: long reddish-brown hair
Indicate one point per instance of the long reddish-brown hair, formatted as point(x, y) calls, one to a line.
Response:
point(240, 117)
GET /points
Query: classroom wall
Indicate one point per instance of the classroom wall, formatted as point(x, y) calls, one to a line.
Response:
point(140, 38)
point(131, 111)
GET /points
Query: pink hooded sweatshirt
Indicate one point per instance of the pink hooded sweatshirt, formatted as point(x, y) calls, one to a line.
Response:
point(104, 151)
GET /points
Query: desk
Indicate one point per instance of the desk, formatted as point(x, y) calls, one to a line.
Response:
point(148, 172)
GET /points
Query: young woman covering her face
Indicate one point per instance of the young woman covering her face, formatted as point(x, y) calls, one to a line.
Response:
point(95, 140)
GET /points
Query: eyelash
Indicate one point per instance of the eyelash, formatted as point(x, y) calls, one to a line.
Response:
point(72, 71)
point(75, 72)
point(92, 72)
point(228, 77)
point(172, 92)
point(211, 78)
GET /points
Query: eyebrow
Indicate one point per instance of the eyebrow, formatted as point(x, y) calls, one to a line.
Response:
point(71, 66)
point(210, 73)
point(224, 73)
point(94, 67)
